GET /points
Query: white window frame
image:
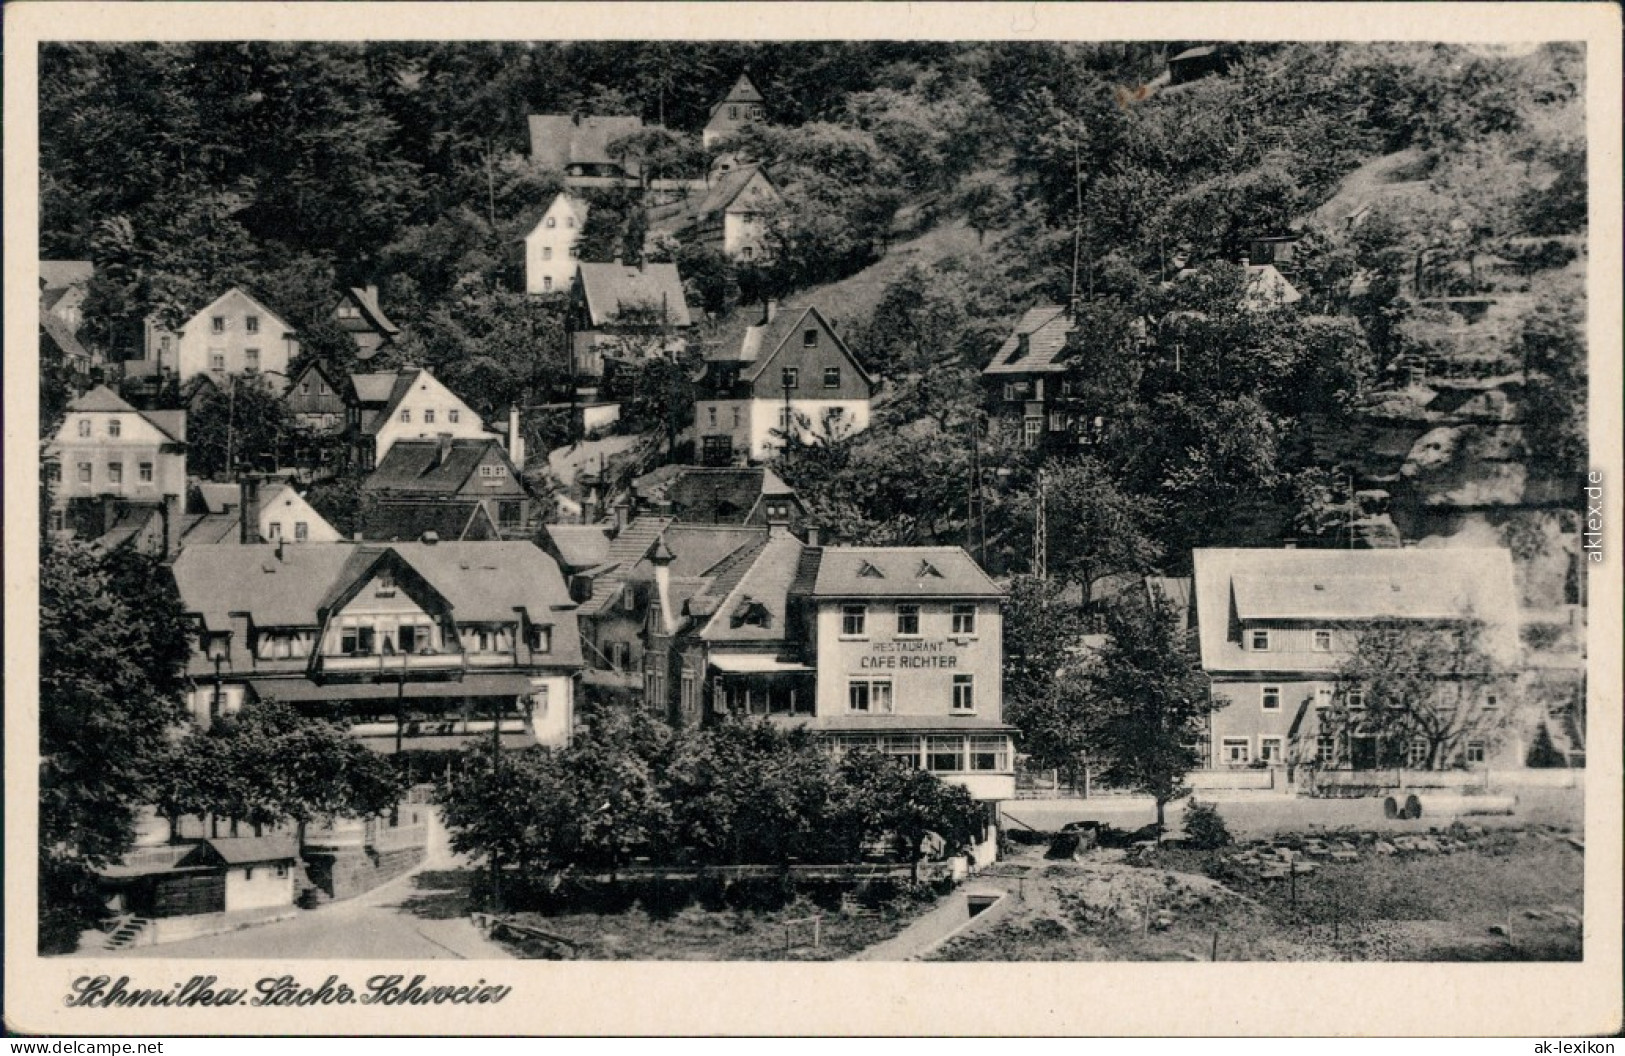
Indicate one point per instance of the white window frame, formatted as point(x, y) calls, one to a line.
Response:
point(964, 695)
point(832, 377)
point(1272, 749)
point(428, 416)
point(251, 324)
point(1323, 698)
point(1416, 753)
point(1325, 748)
point(1258, 640)
point(861, 614)
point(1475, 753)
point(453, 415)
point(84, 427)
point(115, 427)
point(1032, 430)
point(908, 609)
point(1321, 640)
point(1266, 694)
point(964, 621)
point(876, 693)
point(1228, 747)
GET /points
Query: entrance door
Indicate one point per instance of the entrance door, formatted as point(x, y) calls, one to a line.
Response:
point(1363, 752)
point(717, 450)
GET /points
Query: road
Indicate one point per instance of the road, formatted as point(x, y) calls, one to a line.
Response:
point(418, 916)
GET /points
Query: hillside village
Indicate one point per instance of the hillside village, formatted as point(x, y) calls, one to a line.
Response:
point(524, 417)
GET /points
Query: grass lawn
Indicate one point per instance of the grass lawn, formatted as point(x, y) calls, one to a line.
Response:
point(664, 929)
point(1527, 885)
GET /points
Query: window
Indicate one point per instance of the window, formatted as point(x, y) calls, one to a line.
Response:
point(412, 639)
point(867, 570)
point(733, 112)
point(217, 360)
point(406, 414)
point(274, 530)
point(53, 472)
point(945, 754)
point(547, 283)
point(1322, 641)
point(551, 221)
point(832, 377)
point(252, 324)
point(809, 339)
point(1416, 754)
point(386, 583)
point(1259, 641)
point(493, 471)
point(547, 252)
point(251, 360)
point(711, 417)
point(1475, 752)
point(1491, 702)
point(115, 472)
point(786, 419)
point(248, 873)
point(1057, 422)
point(453, 416)
point(569, 221)
point(908, 621)
point(114, 427)
point(428, 417)
point(1272, 750)
point(853, 618)
point(689, 703)
point(905, 748)
point(1031, 429)
point(84, 472)
point(1325, 748)
point(869, 695)
point(745, 252)
point(1356, 698)
point(282, 871)
point(989, 752)
point(964, 619)
point(575, 253)
point(356, 641)
point(304, 388)
point(1236, 751)
point(792, 378)
point(218, 324)
point(509, 514)
point(301, 531)
point(84, 427)
point(541, 639)
point(964, 693)
point(1323, 699)
point(1271, 697)
point(736, 417)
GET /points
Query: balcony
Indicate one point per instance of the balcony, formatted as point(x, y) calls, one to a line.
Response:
point(389, 665)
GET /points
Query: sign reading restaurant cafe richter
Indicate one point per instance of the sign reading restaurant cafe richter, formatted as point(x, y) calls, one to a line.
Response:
point(891, 656)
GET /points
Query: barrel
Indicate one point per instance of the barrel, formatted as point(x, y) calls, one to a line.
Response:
point(1443, 804)
point(1401, 806)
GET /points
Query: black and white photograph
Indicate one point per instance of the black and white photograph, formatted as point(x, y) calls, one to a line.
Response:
point(972, 500)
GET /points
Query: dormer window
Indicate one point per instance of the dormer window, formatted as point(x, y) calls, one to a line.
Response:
point(386, 583)
point(869, 571)
point(541, 639)
point(1258, 641)
point(927, 571)
point(809, 339)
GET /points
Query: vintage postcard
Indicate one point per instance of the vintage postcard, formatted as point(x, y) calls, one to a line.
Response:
point(821, 519)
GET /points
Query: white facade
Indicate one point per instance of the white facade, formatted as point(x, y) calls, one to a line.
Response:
point(427, 412)
point(259, 885)
point(284, 514)
point(233, 335)
point(757, 424)
point(552, 709)
point(550, 248)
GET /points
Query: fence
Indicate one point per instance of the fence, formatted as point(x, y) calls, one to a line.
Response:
point(851, 873)
point(1480, 779)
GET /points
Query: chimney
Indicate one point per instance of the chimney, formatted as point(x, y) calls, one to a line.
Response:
point(662, 559)
point(248, 509)
point(813, 535)
point(443, 451)
point(622, 509)
point(770, 308)
point(618, 259)
point(589, 505)
point(516, 439)
point(430, 538)
point(372, 293)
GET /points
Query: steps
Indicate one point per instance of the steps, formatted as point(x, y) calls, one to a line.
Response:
point(125, 933)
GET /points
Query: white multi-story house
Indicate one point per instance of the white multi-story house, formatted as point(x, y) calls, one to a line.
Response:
point(791, 373)
point(550, 247)
point(408, 404)
point(234, 335)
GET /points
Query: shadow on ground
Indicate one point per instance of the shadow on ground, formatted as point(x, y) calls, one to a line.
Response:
point(440, 894)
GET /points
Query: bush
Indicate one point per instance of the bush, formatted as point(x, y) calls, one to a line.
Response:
point(1204, 827)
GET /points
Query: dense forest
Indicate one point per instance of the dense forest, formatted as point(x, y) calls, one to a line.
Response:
point(1084, 171)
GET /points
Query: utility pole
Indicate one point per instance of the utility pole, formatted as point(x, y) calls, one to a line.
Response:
point(1041, 533)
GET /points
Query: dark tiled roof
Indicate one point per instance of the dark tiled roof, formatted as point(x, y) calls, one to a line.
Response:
point(373, 388)
point(61, 335)
point(911, 571)
point(717, 198)
point(765, 582)
point(466, 521)
point(60, 274)
point(246, 850)
point(367, 300)
point(625, 550)
point(560, 140)
point(613, 289)
point(710, 495)
point(417, 466)
point(1046, 328)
